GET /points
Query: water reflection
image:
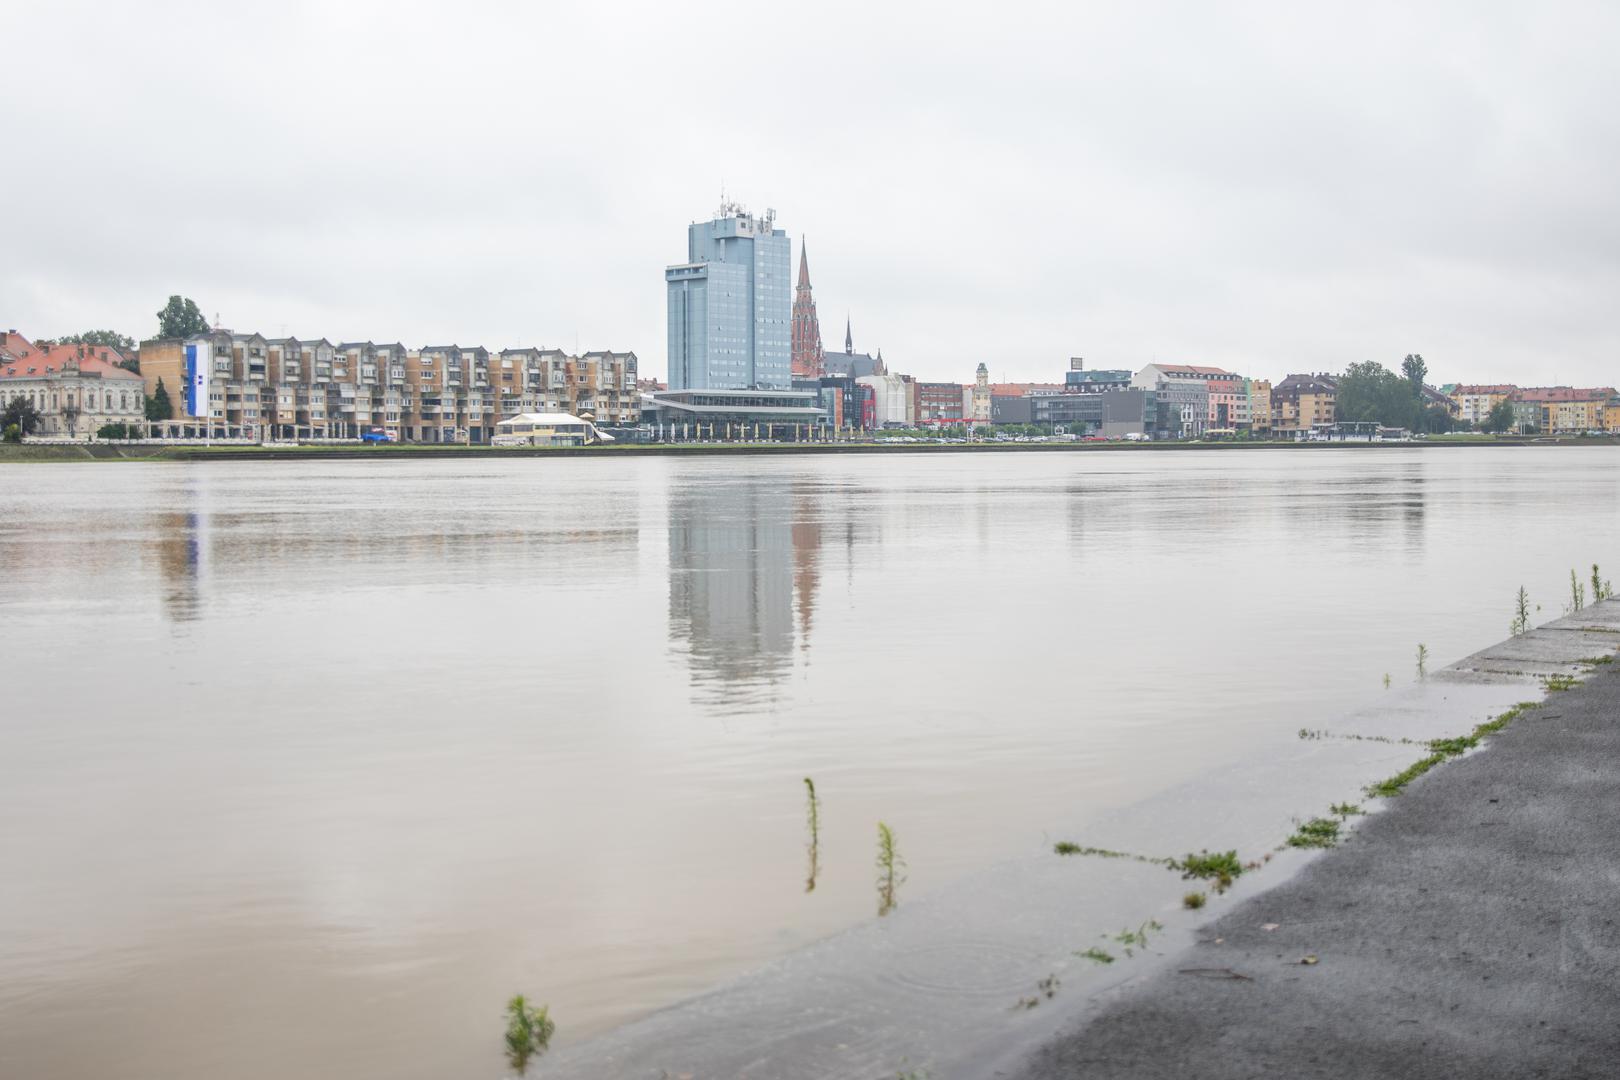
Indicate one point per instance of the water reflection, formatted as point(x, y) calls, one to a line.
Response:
point(742, 554)
point(182, 550)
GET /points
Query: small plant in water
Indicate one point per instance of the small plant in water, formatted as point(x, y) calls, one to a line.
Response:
point(1221, 867)
point(1559, 683)
point(1315, 833)
point(1386, 680)
point(1422, 660)
point(528, 1032)
point(1577, 592)
point(1601, 589)
point(1345, 809)
point(1521, 612)
point(1193, 900)
point(1096, 955)
point(889, 864)
point(1138, 938)
point(815, 833)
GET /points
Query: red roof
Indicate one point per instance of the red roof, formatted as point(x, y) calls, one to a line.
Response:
point(99, 360)
point(13, 346)
point(1553, 394)
point(1479, 388)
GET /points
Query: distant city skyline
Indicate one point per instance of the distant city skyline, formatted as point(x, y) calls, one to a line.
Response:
point(1266, 188)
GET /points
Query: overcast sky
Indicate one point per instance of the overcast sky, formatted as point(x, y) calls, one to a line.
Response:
point(1267, 187)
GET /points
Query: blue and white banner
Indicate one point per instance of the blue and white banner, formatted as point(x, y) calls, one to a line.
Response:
point(197, 365)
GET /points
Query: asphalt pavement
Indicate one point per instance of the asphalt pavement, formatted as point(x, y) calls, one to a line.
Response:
point(1469, 930)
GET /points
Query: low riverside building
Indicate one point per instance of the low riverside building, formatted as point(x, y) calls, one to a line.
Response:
point(789, 415)
point(1184, 392)
point(546, 429)
point(892, 401)
point(1114, 414)
point(938, 402)
point(76, 389)
point(1302, 402)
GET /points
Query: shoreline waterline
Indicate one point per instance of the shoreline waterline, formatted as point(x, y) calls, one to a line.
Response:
point(970, 979)
point(26, 453)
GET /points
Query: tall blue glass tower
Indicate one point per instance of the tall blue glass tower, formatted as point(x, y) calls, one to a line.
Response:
point(731, 305)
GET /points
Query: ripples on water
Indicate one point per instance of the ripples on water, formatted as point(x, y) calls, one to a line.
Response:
point(306, 767)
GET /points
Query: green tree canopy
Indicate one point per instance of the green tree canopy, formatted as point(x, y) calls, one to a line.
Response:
point(181, 318)
point(158, 405)
point(1500, 418)
point(1371, 393)
point(1415, 371)
point(21, 412)
point(111, 339)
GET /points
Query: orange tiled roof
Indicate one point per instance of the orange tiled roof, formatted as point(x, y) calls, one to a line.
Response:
point(99, 360)
point(1480, 388)
point(13, 346)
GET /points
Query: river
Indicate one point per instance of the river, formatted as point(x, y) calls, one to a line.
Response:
point(305, 767)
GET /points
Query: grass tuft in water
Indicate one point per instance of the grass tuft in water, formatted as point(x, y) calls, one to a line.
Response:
point(1315, 833)
point(814, 824)
point(889, 864)
point(1443, 750)
point(1422, 660)
point(1193, 900)
point(1221, 867)
point(1069, 847)
point(1601, 589)
point(1096, 955)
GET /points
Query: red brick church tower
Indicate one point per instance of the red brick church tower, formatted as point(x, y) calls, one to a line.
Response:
point(808, 355)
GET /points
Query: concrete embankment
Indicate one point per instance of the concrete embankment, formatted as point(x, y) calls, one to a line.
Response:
point(1472, 931)
point(1453, 935)
point(47, 452)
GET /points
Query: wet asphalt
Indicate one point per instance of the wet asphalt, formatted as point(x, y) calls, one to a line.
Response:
point(1471, 929)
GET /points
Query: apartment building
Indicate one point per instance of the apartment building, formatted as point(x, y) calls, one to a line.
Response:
point(299, 388)
point(1258, 392)
point(1562, 410)
point(1474, 401)
point(1302, 402)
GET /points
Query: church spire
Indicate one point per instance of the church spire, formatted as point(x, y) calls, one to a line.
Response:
point(849, 339)
point(808, 357)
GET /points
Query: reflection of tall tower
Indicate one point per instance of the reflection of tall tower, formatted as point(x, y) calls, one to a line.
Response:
point(806, 554)
point(808, 355)
point(735, 555)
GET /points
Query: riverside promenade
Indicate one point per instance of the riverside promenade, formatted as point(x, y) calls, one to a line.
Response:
point(1472, 930)
point(1464, 928)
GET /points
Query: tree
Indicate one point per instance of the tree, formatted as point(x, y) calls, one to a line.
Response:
point(110, 339)
point(181, 318)
point(158, 405)
point(1415, 371)
point(117, 431)
point(1438, 419)
point(1371, 393)
point(1500, 418)
point(20, 412)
